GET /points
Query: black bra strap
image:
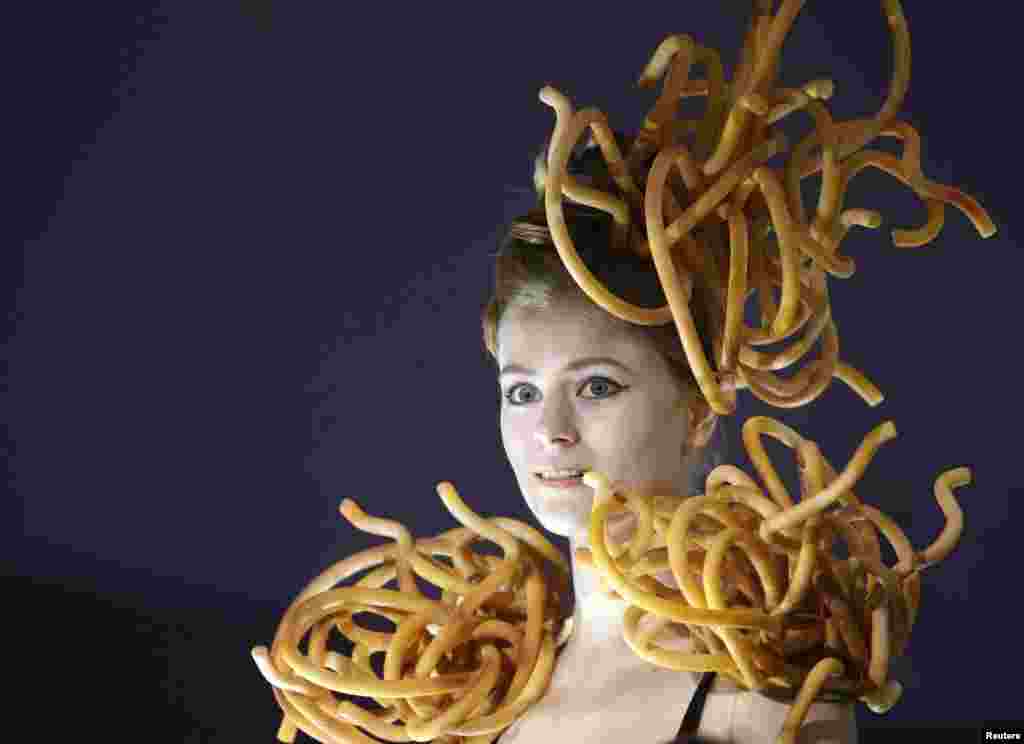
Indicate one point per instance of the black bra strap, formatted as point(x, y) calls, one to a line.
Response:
point(691, 719)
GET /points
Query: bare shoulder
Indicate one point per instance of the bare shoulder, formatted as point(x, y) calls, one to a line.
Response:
point(756, 719)
point(762, 719)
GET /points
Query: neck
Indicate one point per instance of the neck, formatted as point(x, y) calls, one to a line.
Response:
point(596, 615)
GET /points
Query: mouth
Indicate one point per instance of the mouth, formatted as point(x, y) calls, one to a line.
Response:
point(561, 480)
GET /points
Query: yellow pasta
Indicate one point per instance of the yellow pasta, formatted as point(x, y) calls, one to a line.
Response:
point(773, 242)
point(826, 627)
point(461, 668)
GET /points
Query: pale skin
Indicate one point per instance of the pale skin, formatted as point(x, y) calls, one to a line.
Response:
point(638, 424)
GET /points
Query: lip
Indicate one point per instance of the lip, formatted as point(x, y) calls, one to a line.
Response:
point(568, 483)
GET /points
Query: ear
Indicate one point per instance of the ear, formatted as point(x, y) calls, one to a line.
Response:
point(702, 423)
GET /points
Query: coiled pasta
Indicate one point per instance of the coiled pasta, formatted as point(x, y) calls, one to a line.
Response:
point(681, 177)
point(759, 586)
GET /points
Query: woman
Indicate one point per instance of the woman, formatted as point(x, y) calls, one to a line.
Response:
point(582, 389)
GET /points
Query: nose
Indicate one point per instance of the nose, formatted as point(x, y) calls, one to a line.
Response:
point(556, 426)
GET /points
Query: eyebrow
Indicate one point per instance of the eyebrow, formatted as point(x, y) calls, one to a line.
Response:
point(509, 369)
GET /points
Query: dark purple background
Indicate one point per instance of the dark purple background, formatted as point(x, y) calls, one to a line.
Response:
point(255, 251)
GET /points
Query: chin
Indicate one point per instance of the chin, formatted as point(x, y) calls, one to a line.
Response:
point(563, 515)
point(557, 525)
point(565, 522)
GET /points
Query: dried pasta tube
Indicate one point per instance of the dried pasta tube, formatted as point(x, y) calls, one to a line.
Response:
point(614, 161)
point(457, 712)
point(727, 475)
point(509, 545)
point(756, 360)
point(532, 537)
point(386, 528)
point(860, 384)
point(315, 722)
point(759, 267)
point(641, 502)
point(912, 591)
point(927, 232)
point(923, 187)
point(373, 640)
point(676, 50)
point(758, 555)
point(645, 637)
point(655, 187)
point(678, 300)
point(451, 636)
point(832, 236)
point(853, 135)
point(807, 385)
point(811, 468)
point(785, 101)
point(878, 668)
point(714, 116)
point(359, 665)
point(849, 628)
point(911, 161)
point(355, 715)
point(862, 533)
point(753, 429)
point(587, 282)
point(594, 197)
point(732, 137)
point(888, 527)
point(832, 638)
point(722, 513)
point(789, 248)
point(815, 680)
point(738, 246)
point(748, 52)
point(738, 647)
point(954, 527)
point(800, 583)
point(721, 188)
point(828, 495)
point(811, 299)
point(530, 649)
point(279, 679)
point(771, 43)
point(439, 574)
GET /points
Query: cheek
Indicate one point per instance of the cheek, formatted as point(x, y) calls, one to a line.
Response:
point(641, 432)
point(513, 435)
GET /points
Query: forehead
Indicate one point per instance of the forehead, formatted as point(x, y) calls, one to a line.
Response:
point(568, 330)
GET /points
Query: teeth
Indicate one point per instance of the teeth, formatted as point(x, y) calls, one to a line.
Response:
point(561, 474)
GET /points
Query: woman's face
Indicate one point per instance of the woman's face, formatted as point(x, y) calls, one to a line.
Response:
point(583, 390)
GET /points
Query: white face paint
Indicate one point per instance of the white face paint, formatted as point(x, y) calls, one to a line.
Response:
point(626, 416)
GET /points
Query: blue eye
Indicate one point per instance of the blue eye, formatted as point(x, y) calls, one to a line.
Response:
point(510, 394)
point(608, 385)
point(605, 389)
